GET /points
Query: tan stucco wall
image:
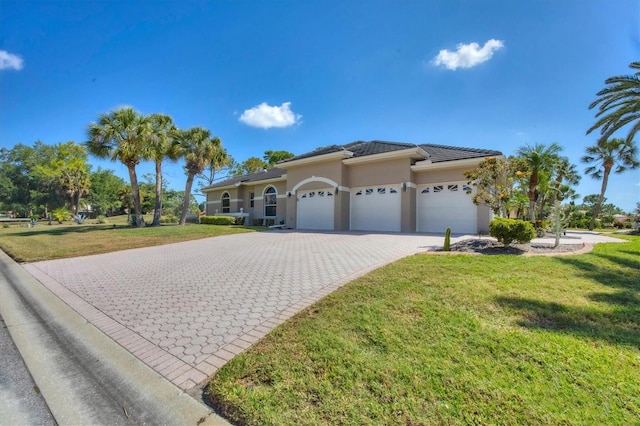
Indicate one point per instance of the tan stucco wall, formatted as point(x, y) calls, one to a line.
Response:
point(379, 173)
point(240, 198)
point(441, 175)
point(408, 212)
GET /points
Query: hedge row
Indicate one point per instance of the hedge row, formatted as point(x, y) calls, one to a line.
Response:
point(218, 220)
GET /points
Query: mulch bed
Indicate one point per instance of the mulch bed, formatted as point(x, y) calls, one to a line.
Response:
point(490, 247)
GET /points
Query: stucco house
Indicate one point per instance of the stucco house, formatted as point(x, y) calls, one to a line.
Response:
point(361, 186)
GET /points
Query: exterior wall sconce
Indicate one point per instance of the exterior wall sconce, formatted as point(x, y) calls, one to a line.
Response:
point(337, 190)
point(404, 186)
point(289, 194)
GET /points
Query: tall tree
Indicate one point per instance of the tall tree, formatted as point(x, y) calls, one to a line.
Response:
point(160, 148)
point(198, 148)
point(603, 157)
point(248, 166)
point(104, 193)
point(223, 162)
point(558, 184)
point(30, 191)
point(272, 157)
point(67, 173)
point(618, 105)
point(540, 160)
point(121, 135)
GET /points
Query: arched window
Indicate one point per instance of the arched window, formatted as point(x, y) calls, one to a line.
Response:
point(226, 203)
point(270, 202)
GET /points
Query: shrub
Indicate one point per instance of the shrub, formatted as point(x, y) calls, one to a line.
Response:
point(239, 220)
point(102, 219)
point(170, 218)
point(61, 214)
point(508, 230)
point(218, 220)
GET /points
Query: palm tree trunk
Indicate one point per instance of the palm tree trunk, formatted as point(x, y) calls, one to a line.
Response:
point(598, 206)
point(158, 205)
point(187, 199)
point(135, 189)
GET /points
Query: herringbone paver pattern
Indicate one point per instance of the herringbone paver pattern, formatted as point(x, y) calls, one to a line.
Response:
point(186, 309)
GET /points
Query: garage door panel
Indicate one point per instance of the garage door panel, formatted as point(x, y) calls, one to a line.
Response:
point(446, 205)
point(315, 209)
point(376, 209)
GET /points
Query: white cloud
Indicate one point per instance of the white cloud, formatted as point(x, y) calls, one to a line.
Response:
point(266, 116)
point(467, 55)
point(10, 61)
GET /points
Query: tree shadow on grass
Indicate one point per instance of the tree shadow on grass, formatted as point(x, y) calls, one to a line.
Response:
point(618, 326)
point(617, 323)
point(67, 230)
point(627, 278)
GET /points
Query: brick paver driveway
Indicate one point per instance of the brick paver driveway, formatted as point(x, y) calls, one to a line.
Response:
point(185, 309)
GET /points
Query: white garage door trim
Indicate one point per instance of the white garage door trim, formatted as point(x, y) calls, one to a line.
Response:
point(446, 205)
point(315, 209)
point(376, 208)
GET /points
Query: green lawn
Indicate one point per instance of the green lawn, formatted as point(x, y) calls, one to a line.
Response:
point(455, 340)
point(55, 241)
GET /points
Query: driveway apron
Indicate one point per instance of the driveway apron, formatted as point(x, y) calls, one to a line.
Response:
point(185, 309)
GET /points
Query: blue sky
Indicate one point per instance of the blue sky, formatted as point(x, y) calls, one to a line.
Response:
point(297, 75)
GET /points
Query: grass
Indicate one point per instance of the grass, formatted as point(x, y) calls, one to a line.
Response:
point(454, 340)
point(55, 241)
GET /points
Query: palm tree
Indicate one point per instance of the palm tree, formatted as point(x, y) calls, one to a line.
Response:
point(603, 156)
point(540, 160)
point(160, 147)
point(619, 105)
point(198, 149)
point(121, 135)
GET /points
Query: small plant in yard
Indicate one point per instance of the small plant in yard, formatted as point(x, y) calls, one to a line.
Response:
point(102, 219)
point(447, 240)
point(507, 231)
point(79, 218)
point(61, 214)
point(169, 219)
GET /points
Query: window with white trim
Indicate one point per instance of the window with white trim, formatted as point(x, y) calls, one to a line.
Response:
point(270, 202)
point(226, 202)
point(252, 197)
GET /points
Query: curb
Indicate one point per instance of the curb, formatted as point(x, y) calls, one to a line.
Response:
point(83, 375)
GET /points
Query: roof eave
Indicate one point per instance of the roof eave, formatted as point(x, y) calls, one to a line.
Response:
point(428, 165)
point(245, 183)
point(338, 155)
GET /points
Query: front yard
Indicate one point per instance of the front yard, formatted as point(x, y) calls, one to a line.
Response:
point(44, 242)
point(455, 340)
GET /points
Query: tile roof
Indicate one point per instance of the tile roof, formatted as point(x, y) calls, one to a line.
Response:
point(253, 177)
point(438, 153)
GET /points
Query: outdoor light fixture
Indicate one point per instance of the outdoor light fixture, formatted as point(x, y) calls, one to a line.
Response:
point(404, 186)
point(337, 190)
point(289, 194)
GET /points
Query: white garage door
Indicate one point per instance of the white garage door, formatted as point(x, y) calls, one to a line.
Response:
point(446, 205)
point(375, 208)
point(315, 209)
